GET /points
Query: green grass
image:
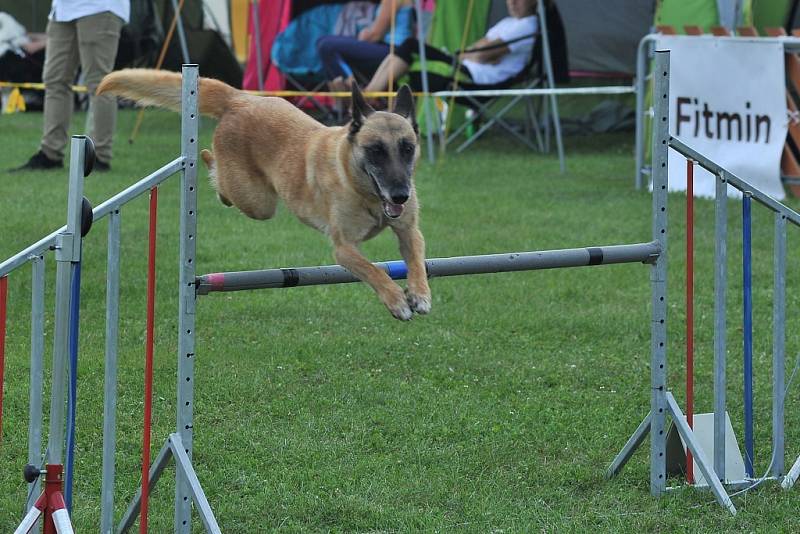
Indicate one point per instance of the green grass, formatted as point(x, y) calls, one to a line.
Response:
point(316, 411)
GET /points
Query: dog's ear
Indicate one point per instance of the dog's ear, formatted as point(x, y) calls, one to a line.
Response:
point(404, 102)
point(359, 110)
point(404, 105)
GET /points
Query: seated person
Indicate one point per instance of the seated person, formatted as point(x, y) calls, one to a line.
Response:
point(341, 55)
point(499, 56)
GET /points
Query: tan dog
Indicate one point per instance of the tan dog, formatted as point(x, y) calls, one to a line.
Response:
point(348, 182)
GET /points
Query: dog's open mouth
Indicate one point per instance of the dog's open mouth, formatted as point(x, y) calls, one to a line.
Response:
point(392, 210)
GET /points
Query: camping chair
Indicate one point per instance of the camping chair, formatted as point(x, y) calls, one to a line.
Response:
point(311, 82)
point(531, 77)
point(298, 62)
point(528, 78)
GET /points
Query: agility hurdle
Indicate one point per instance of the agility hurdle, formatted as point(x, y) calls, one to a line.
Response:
point(179, 444)
point(66, 245)
point(663, 401)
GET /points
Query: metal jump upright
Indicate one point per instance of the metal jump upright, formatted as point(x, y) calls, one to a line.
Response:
point(663, 402)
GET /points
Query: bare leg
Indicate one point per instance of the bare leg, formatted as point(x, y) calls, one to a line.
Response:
point(340, 84)
point(391, 67)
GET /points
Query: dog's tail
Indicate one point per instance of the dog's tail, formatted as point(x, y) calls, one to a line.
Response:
point(163, 89)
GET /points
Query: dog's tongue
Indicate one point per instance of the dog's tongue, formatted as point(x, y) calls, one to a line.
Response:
point(392, 210)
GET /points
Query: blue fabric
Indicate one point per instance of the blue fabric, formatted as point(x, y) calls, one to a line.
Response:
point(291, 52)
point(403, 26)
point(339, 53)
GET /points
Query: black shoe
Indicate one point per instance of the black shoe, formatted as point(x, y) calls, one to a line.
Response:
point(101, 166)
point(40, 162)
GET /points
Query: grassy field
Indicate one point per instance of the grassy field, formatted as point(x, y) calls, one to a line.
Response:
point(316, 411)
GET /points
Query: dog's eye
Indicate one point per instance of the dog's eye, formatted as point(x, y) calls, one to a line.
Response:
point(406, 148)
point(376, 150)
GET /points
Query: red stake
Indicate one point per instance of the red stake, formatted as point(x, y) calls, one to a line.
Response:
point(689, 310)
point(148, 360)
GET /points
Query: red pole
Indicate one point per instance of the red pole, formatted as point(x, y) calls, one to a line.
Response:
point(3, 298)
point(148, 360)
point(689, 310)
point(53, 484)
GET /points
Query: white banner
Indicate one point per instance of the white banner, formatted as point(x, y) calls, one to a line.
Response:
point(728, 102)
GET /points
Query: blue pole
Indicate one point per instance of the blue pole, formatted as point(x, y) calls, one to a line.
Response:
point(747, 275)
point(72, 396)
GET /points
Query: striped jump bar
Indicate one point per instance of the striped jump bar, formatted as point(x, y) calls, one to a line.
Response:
point(437, 267)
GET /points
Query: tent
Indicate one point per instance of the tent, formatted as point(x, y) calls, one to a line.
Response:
point(206, 45)
point(602, 37)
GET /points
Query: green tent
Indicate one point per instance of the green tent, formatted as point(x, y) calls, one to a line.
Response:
point(771, 13)
point(680, 13)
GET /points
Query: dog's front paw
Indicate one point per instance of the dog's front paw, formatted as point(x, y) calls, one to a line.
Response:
point(401, 311)
point(421, 304)
point(398, 306)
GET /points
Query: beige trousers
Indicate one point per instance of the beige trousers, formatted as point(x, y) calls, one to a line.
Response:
point(90, 42)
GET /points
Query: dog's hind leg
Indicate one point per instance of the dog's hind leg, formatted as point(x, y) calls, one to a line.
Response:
point(244, 186)
point(208, 159)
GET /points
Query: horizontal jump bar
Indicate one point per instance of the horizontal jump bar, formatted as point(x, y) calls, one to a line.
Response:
point(723, 174)
point(459, 265)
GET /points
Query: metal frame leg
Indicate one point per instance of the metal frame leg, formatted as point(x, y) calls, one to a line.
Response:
point(779, 346)
point(156, 469)
point(792, 475)
point(496, 119)
point(110, 387)
point(36, 391)
point(184, 422)
point(658, 283)
point(700, 459)
point(173, 448)
point(630, 447)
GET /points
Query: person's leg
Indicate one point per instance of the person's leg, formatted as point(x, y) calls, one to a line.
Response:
point(60, 66)
point(398, 64)
point(98, 38)
point(391, 67)
point(364, 57)
point(343, 57)
point(328, 49)
point(441, 70)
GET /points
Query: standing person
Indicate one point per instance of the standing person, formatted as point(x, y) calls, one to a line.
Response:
point(81, 33)
point(499, 56)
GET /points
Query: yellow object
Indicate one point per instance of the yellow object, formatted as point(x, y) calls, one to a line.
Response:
point(38, 86)
point(15, 102)
point(240, 15)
